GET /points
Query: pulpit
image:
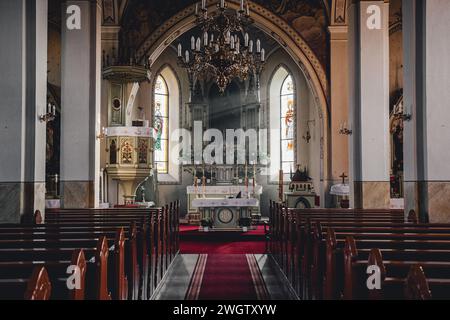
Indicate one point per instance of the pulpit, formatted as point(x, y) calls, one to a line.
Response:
point(129, 158)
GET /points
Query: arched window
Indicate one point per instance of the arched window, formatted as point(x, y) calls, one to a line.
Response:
point(283, 124)
point(287, 117)
point(161, 125)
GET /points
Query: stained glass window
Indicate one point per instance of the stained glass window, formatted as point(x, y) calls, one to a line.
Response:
point(161, 125)
point(287, 127)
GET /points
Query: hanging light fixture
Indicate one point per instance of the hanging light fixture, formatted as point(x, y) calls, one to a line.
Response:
point(224, 49)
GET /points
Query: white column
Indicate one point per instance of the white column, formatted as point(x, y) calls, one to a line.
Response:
point(427, 66)
point(339, 73)
point(23, 88)
point(369, 95)
point(80, 99)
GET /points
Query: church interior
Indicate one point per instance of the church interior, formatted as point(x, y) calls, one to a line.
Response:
point(225, 150)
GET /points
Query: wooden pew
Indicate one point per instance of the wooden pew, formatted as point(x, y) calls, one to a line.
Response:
point(156, 244)
point(57, 273)
point(36, 287)
point(292, 238)
point(395, 268)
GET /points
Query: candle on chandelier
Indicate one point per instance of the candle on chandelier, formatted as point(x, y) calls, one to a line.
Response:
point(228, 36)
point(205, 38)
point(192, 43)
point(54, 110)
point(263, 55)
point(232, 42)
point(187, 56)
point(196, 9)
point(203, 4)
point(199, 43)
point(179, 50)
point(248, 9)
point(258, 46)
point(250, 49)
point(246, 39)
point(222, 3)
point(238, 46)
point(242, 5)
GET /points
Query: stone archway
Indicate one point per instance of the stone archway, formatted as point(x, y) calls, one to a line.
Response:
point(288, 38)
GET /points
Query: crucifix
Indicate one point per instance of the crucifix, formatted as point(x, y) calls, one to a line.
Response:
point(343, 176)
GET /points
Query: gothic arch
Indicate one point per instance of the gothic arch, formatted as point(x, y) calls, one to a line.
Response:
point(272, 25)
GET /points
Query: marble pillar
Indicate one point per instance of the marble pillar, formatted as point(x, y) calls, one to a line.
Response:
point(427, 99)
point(369, 103)
point(23, 88)
point(339, 100)
point(80, 99)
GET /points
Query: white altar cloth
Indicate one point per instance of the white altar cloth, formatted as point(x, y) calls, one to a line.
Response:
point(340, 190)
point(225, 190)
point(211, 202)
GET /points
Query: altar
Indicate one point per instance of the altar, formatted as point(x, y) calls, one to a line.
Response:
point(220, 192)
point(234, 214)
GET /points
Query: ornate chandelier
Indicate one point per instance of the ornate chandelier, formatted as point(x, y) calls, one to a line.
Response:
point(224, 51)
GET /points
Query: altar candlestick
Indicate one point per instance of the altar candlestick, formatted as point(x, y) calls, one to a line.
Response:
point(280, 185)
point(204, 186)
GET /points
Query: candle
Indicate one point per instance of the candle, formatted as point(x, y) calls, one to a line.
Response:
point(246, 38)
point(179, 50)
point(203, 4)
point(238, 46)
point(192, 43)
point(232, 42)
point(222, 3)
point(205, 38)
point(250, 46)
point(248, 9)
point(258, 46)
point(263, 55)
point(187, 56)
point(198, 44)
point(242, 5)
point(196, 9)
point(54, 110)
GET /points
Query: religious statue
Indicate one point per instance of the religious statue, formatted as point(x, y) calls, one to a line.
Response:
point(158, 125)
point(147, 190)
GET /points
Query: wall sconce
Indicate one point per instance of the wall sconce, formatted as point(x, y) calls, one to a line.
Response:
point(407, 115)
point(307, 137)
point(345, 129)
point(102, 135)
point(50, 115)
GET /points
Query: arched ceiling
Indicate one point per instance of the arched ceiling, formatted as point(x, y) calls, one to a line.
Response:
point(308, 17)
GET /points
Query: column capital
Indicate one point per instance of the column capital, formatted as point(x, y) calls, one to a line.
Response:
point(338, 32)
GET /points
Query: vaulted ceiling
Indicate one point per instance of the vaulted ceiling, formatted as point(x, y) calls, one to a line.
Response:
point(308, 17)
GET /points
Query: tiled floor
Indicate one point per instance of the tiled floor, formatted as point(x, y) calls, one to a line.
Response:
point(176, 284)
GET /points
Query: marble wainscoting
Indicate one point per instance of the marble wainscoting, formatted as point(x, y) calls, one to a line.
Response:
point(372, 195)
point(438, 200)
point(21, 198)
point(77, 194)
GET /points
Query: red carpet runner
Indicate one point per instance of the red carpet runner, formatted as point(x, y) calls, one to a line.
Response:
point(227, 277)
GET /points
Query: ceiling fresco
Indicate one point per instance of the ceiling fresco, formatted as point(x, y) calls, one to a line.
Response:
point(307, 17)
